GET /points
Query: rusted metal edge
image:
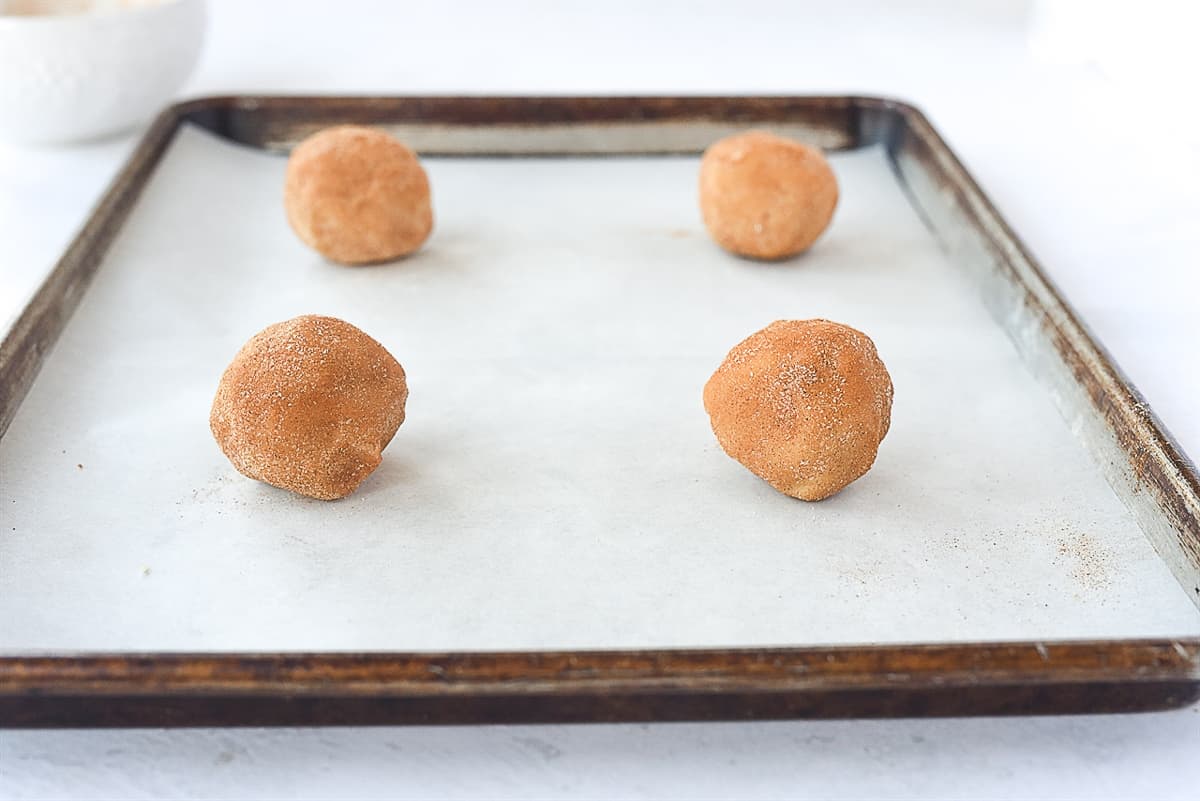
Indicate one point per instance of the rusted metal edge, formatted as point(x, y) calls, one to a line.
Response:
point(793, 670)
point(37, 328)
point(275, 121)
point(1155, 461)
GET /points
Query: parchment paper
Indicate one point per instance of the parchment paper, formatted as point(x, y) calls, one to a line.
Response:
point(556, 484)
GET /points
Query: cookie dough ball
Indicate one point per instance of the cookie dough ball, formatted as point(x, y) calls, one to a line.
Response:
point(357, 195)
point(765, 196)
point(802, 404)
point(309, 405)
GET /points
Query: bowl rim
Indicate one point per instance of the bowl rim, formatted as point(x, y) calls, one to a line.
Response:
point(90, 14)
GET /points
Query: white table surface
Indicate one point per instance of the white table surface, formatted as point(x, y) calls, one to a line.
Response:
point(1097, 173)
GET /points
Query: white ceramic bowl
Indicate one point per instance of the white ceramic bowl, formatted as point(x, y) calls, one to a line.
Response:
point(72, 70)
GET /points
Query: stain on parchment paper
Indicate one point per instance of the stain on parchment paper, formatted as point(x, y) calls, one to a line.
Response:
point(860, 573)
point(1090, 563)
point(212, 490)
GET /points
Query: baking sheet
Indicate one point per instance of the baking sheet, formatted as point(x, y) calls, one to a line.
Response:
point(555, 484)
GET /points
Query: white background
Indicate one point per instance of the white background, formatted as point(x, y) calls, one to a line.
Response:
point(1078, 128)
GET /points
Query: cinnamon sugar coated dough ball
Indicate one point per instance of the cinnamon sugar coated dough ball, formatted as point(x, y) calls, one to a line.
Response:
point(802, 404)
point(765, 196)
point(357, 195)
point(309, 405)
